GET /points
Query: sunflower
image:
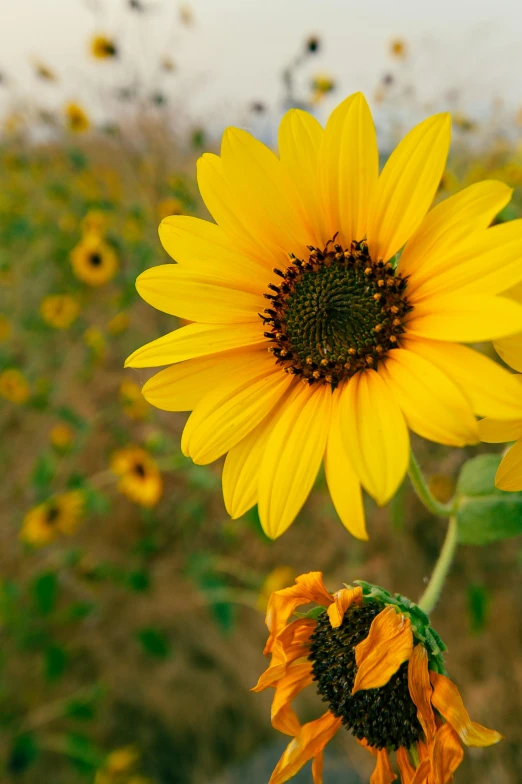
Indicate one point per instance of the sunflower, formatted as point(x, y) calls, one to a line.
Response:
point(94, 261)
point(14, 386)
point(398, 48)
point(58, 515)
point(322, 84)
point(77, 119)
point(140, 477)
point(311, 339)
point(509, 474)
point(61, 437)
point(59, 310)
point(103, 48)
point(377, 663)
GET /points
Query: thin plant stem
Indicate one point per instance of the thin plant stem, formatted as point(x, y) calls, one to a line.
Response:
point(421, 488)
point(433, 590)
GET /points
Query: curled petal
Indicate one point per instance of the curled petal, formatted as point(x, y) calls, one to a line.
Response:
point(308, 588)
point(447, 700)
point(310, 742)
point(291, 644)
point(388, 645)
point(420, 690)
point(406, 769)
point(342, 600)
point(317, 768)
point(298, 676)
point(383, 773)
point(446, 756)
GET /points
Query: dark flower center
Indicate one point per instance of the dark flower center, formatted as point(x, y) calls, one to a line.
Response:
point(384, 717)
point(52, 515)
point(95, 259)
point(335, 314)
point(139, 469)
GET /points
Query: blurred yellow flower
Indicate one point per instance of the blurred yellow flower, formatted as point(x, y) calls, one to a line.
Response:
point(94, 222)
point(76, 119)
point(5, 329)
point(43, 71)
point(59, 310)
point(61, 436)
point(398, 48)
point(118, 323)
point(276, 580)
point(58, 515)
point(14, 386)
point(95, 339)
point(103, 47)
point(140, 477)
point(94, 261)
point(322, 84)
point(122, 760)
point(133, 402)
point(170, 206)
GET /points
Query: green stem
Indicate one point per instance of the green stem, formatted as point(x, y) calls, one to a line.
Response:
point(421, 488)
point(433, 590)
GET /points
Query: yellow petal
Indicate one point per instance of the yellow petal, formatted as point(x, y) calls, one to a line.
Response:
point(311, 740)
point(299, 140)
point(290, 644)
point(297, 677)
point(182, 386)
point(447, 755)
point(406, 769)
point(342, 600)
point(433, 406)
point(467, 319)
point(205, 247)
point(407, 185)
point(343, 482)
point(292, 457)
point(197, 296)
point(195, 340)
point(509, 473)
point(308, 588)
point(448, 225)
point(510, 350)
point(348, 168)
point(388, 645)
point(271, 206)
point(375, 434)
point(488, 263)
point(420, 691)
point(491, 389)
point(498, 431)
point(383, 773)
point(317, 768)
point(223, 418)
point(447, 700)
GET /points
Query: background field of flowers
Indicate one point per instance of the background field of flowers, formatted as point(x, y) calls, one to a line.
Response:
point(131, 607)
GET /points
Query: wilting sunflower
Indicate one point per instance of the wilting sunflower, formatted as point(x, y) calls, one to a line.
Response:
point(58, 515)
point(103, 48)
point(140, 477)
point(311, 339)
point(509, 474)
point(77, 120)
point(59, 310)
point(14, 386)
point(377, 663)
point(94, 261)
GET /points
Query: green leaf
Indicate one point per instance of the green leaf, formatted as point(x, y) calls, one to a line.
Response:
point(154, 642)
point(485, 514)
point(43, 473)
point(478, 607)
point(139, 580)
point(81, 710)
point(44, 589)
point(55, 662)
point(23, 753)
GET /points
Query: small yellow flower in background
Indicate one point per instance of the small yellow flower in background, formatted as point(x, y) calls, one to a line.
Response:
point(509, 474)
point(103, 48)
point(94, 261)
point(5, 329)
point(61, 436)
point(398, 48)
point(43, 71)
point(378, 665)
point(118, 323)
point(278, 578)
point(170, 206)
point(122, 760)
point(133, 402)
point(463, 123)
point(322, 84)
point(168, 64)
point(76, 119)
point(95, 222)
point(14, 386)
point(59, 515)
point(59, 310)
point(140, 477)
point(95, 339)
point(281, 386)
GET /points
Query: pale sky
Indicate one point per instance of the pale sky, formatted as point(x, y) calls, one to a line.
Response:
point(236, 49)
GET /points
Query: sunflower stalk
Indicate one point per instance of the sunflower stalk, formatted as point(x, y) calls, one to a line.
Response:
point(433, 590)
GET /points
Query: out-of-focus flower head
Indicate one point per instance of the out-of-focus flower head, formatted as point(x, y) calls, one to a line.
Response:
point(167, 64)
point(57, 516)
point(95, 221)
point(118, 323)
point(95, 339)
point(322, 84)
point(61, 436)
point(14, 386)
point(76, 118)
point(103, 48)
point(42, 71)
point(59, 310)
point(169, 206)
point(398, 48)
point(93, 260)
point(463, 122)
point(5, 329)
point(140, 479)
point(132, 400)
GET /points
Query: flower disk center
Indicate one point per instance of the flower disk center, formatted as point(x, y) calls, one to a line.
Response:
point(335, 314)
point(384, 717)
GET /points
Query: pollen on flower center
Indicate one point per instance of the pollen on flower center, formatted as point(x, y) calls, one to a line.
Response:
point(335, 314)
point(385, 717)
